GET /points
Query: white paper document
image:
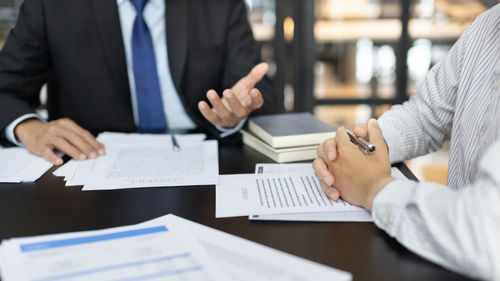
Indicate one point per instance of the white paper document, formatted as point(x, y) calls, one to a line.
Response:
point(129, 166)
point(82, 172)
point(283, 195)
point(67, 170)
point(141, 160)
point(251, 194)
point(348, 216)
point(231, 195)
point(161, 251)
point(19, 165)
point(244, 260)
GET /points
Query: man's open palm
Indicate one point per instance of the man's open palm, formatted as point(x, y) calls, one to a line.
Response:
point(238, 102)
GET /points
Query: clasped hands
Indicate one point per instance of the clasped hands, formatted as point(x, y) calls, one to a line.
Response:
point(345, 171)
point(65, 135)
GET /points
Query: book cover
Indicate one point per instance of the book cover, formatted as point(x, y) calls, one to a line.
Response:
point(294, 129)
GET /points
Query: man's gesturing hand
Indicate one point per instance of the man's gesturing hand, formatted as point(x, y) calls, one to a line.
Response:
point(238, 102)
point(63, 134)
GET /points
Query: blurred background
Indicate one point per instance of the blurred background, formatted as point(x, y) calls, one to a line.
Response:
point(347, 61)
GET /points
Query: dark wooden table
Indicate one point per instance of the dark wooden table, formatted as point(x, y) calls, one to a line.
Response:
point(47, 206)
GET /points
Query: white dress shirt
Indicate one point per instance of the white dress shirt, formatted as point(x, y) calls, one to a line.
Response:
point(154, 15)
point(456, 226)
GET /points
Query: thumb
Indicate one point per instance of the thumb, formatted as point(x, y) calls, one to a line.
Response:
point(375, 133)
point(253, 77)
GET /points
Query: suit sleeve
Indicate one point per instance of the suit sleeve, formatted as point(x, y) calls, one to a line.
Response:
point(243, 53)
point(24, 64)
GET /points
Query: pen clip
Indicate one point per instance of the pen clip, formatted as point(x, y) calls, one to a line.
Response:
point(175, 145)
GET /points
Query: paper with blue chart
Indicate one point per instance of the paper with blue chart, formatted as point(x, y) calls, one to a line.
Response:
point(166, 248)
point(157, 251)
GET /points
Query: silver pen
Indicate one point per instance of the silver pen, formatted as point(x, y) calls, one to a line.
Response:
point(367, 148)
point(175, 144)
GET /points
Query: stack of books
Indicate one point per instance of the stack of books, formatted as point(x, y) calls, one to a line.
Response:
point(287, 137)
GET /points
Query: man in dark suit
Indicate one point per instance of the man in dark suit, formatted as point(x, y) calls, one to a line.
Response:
point(128, 65)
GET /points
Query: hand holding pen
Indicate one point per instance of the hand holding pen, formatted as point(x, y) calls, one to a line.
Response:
point(355, 176)
point(364, 146)
point(327, 153)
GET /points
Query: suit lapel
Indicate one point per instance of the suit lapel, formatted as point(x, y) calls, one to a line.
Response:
point(109, 29)
point(177, 30)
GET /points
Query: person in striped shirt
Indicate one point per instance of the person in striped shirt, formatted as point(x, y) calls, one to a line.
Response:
point(458, 225)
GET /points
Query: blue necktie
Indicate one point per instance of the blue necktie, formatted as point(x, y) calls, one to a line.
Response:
point(149, 99)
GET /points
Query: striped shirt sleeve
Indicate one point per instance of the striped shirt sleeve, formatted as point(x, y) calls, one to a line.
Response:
point(422, 124)
point(456, 229)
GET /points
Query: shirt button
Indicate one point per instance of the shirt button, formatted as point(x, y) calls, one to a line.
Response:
point(482, 138)
point(385, 220)
point(428, 246)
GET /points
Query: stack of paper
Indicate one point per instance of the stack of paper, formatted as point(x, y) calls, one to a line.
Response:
point(19, 165)
point(141, 160)
point(283, 192)
point(167, 248)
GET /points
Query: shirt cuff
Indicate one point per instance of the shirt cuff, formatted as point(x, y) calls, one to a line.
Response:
point(387, 206)
point(9, 130)
point(229, 131)
point(394, 142)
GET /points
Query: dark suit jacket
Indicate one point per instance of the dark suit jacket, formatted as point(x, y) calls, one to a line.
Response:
point(76, 47)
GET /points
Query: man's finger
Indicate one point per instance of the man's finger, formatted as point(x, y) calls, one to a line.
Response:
point(334, 194)
point(85, 140)
point(343, 138)
point(328, 150)
point(92, 141)
point(331, 192)
point(256, 98)
point(50, 155)
point(66, 147)
point(81, 144)
point(322, 173)
point(254, 76)
point(209, 114)
point(221, 110)
point(374, 133)
point(238, 109)
point(326, 179)
point(361, 131)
